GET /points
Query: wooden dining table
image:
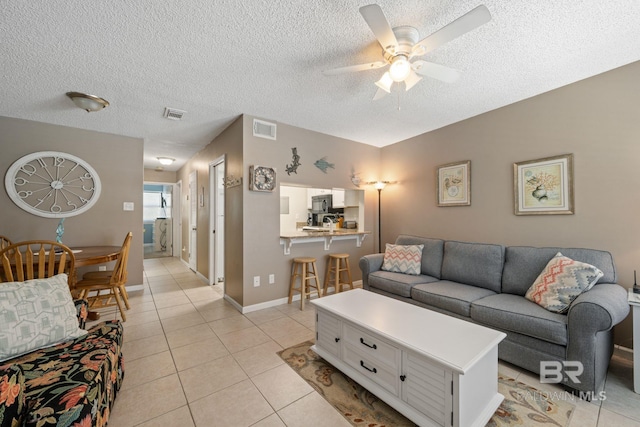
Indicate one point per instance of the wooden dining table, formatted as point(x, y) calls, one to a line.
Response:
point(93, 255)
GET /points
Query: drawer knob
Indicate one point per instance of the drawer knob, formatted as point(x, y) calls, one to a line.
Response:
point(375, 347)
point(374, 370)
point(337, 339)
point(403, 377)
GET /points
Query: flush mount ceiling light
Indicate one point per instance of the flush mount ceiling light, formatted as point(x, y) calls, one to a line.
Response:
point(401, 45)
point(88, 103)
point(166, 160)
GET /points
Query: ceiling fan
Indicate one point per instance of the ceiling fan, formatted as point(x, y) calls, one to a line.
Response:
point(401, 44)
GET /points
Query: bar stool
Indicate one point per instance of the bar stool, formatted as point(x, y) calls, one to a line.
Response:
point(308, 273)
point(337, 263)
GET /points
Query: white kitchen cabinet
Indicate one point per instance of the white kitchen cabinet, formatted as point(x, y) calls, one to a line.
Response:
point(352, 198)
point(338, 198)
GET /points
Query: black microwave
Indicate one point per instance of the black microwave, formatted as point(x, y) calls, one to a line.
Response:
point(322, 203)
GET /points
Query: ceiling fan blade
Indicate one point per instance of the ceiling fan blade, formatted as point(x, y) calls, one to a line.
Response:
point(470, 21)
point(380, 93)
point(353, 68)
point(435, 71)
point(376, 20)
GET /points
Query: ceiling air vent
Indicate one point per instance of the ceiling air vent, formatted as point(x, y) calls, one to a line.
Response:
point(173, 113)
point(264, 129)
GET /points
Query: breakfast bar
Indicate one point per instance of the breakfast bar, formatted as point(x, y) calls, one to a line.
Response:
point(314, 236)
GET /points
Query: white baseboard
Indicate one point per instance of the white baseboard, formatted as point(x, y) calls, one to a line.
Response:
point(279, 301)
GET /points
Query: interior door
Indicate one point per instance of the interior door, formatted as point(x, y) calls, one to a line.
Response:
point(216, 221)
point(177, 219)
point(193, 220)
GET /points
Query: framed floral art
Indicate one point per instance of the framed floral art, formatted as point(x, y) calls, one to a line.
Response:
point(544, 186)
point(454, 184)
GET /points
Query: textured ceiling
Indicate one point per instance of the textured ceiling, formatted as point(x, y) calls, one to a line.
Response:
point(219, 59)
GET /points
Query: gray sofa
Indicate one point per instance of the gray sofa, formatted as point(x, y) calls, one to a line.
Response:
point(486, 284)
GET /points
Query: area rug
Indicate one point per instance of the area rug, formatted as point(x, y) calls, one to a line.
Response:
point(523, 405)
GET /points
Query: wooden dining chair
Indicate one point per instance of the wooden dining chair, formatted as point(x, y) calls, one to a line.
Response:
point(105, 275)
point(107, 288)
point(4, 242)
point(36, 259)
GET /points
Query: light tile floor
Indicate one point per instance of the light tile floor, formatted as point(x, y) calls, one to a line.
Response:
point(191, 359)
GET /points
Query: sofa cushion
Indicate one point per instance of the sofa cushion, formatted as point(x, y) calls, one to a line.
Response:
point(403, 259)
point(518, 314)
point(522, 264)
point(561, 281)
point(36, 313)
point(431, 254)
point(397, 283)
point(476, 264)
point(450, 296)
point(74, 383)
point(12, 400)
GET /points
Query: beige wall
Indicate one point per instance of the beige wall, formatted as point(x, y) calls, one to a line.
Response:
point(228, 144)
point(263, 253)
point(118, 162)
point(252, 243)
point(597, 119)
point(153, 175)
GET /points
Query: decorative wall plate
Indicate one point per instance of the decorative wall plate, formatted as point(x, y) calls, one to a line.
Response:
point(262, 178)
point(52, 184)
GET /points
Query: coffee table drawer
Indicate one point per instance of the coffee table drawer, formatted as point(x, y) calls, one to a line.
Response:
point(372, 369)
point(372, 346)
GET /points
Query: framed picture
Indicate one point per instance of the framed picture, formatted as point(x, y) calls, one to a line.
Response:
point(544, 186)
point(262, 178)
point(454, 184)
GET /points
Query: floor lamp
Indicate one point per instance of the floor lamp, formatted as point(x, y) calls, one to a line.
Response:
point(379, 185)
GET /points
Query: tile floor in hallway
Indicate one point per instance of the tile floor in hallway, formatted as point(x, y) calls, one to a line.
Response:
point(191, 359)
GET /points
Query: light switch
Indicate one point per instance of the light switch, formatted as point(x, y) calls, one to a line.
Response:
point(127, 206)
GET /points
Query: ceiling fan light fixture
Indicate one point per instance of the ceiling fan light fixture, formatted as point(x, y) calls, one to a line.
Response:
point(411, 80)
point(88, 103)
point(385, 82)
point(400, 68)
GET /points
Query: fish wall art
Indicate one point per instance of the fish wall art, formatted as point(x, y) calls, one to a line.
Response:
point(323, 164)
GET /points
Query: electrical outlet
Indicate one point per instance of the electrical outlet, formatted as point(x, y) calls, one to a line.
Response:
point(272, 279)
point(102, 268)
point(256, 281)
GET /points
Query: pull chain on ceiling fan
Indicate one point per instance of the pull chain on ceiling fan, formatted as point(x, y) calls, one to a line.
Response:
point(401, 44)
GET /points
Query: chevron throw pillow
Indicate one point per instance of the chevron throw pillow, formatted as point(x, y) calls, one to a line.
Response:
point(405, 259)
point(561, 281)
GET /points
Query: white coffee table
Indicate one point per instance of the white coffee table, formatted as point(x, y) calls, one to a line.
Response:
point(434, 369)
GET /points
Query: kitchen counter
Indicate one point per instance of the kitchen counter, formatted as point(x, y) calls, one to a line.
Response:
point(289, 238)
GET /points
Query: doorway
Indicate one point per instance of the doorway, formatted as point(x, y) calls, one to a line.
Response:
point(157, 217)
point(216, 221)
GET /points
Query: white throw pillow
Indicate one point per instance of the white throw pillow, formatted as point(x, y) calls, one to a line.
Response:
point(561, 281)
point(35, 314)
point(405, 259)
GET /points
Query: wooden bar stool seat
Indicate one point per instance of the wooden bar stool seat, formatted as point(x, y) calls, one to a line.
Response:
point(305, 269)
point(338, 265)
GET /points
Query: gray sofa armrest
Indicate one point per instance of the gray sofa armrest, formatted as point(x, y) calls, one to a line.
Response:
point(369, 264)
point(590, 318)
point(599, 309)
